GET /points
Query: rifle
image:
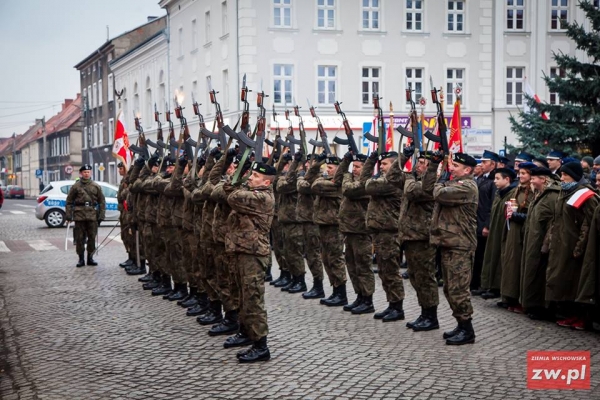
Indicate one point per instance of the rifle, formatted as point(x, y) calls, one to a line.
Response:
point(184, 132)
point(201, 143)
point(302, 141)
point(350, 142)
point(159, 145)
point(380, 139)
point(142, 149)
point(441, 123)
point(320, 132)
point(172, 142)
point(277, 143)
point(220, 136)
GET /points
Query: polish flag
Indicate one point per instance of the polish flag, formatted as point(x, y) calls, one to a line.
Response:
point(120, 148)
point(529, 91)
point(455, 143)
point(580, 197)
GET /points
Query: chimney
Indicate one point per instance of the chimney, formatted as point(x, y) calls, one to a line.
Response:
point(151, 18)
point(66, 104)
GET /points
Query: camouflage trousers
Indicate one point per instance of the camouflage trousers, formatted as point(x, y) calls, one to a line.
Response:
point(277, 244)
point(456, 270)
point(198, 261)
point(388, 265)
point(188, 254)
point(126, 236)
point(227, 290)
point(208, 271)
point(312, 249)
point(420, 258)
point(85, 232)
point(292, 248)
point(249, 275)
point(173, 245)
point(358, 261)
point(332, 253)
point(153, 247)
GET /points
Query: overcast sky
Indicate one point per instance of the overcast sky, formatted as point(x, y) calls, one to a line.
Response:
point(41, 41)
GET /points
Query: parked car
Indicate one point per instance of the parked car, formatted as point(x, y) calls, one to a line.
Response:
point(51, 203)
point(14, 192)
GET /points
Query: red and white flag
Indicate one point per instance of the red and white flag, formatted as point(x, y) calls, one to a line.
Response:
point(529, 91)
point(455, 143)
point(580, 197)
point(120, 148)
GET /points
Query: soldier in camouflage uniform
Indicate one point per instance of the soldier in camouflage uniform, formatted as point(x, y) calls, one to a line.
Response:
point(85, 206)
point(248, 240)
point(310, 232)
point(382, 220)
point(413, 227)
point(454, 231)
point(136, 219)
point(352, 217)
point(285, 276)
point(326, 208)
point(124, 217)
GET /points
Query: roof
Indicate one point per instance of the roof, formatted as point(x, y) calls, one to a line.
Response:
point(145, 42)
point(64, 119)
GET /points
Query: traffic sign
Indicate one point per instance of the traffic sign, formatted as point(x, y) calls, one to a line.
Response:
point(101, 168)
point(68, 169)
point(38, 173)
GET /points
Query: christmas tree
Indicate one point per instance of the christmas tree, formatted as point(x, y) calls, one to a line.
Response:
point(573, 125)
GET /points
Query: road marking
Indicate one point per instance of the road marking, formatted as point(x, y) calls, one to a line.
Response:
point(41, 245)
point(25, 205)
point(3, 247)
point(18, 212)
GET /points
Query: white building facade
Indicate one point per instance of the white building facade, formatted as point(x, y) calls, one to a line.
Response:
point(348, 50)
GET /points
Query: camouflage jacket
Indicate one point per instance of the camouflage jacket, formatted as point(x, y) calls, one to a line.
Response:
point(146, 187)
point(454, 217)
point(384, 206)
point(85, 202)
point(165, 203)
point(287, 189)
point(175, 190)
point(221, 212)
point(203, 194)
point(306, 200)
point(187, 221)
point(123, 191)
point(417, 205)
point(194, 185)
point(250, 220)
point(328, 197)
point(353, 208)
point(138, 200)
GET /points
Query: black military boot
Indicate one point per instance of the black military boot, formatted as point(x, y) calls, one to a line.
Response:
point(354, 304)
point(179, 293)
point(299, 286)
point(164, 287)
point(258, 352)
point(452, 333)
point(199, 309)
point(340, 298)
point(316, 292)
point(81, 261)
point(396, 313)
point(429, 321)
point(491, 294)
point(141, 270)
point(228, 325)
point(331, 296)
point(90, 260)
point(291, 283)
point(268, 276)
point(191, 299)
point(285, 279)
point(365, 307)
point(281, 275)
point(465, 335)
point(411, 324)
point(383, 313)
point(213, 315)
point(149, 277)
point(238, 340)
point(128, 262)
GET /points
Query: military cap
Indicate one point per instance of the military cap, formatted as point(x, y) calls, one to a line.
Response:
point(169, 161)
point(361, 158)
point(264, 169)
point(524, 157)
point(504, 160)
point(85, 167)
point(527, 165)
point(333, 160)
point(120, 164)
point(464, 159)
point(556, 155)
point(425, 154)
point(154, 162)
point(388, 154)
point(569, 159)
point(308, 157)
point(490, 156)
point(237, 158)
point(541, 171)
point(542, 161)
point(265, 159)
point(507, 171)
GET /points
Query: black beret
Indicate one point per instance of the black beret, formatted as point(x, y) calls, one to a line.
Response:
point(85, 167)
point(541, 171)
point(425, 154)
point(388, 154)
point(464, 159)
point(154, 162)
point(333, 160)
point(120, 164)
point(169, 161)
point(507, 171)
point(361, 158)
point(264, 169)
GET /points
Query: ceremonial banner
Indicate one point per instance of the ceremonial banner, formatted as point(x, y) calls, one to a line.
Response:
point(120, 148)
point(455, 143)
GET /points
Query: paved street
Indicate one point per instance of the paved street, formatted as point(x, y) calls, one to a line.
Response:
point(93, 333)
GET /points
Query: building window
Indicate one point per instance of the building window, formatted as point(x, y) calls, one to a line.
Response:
point(136, 100)
point(370, 14)
point(194, 35)
point(327, 84)
point(559, 14)
point(225, 89)
point(96, 139)
point(414, 15)
point(111, 130)
point(556, 72)
point(101, 139)
point(85, 137)
point(282, 13)
point(414, 79)
point(209, 105)
point(111, 88)
point(370, 83)
point(180, 43)
point(456, 15)
point(100, 100)
point(90, 101)
point(207, 26)
point(515, 11)
point(514, 86)
point(148, 112)
point(94, 94)
point(224, 19)
point(454, 77)
point(326, 14)
point(282, 83)
point(161, 92)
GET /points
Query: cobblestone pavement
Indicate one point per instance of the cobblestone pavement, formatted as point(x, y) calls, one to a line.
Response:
point(92, 333)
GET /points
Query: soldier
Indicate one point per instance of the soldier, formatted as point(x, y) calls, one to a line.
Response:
point(136, 219)
point(534, 259)
point(382, 219)
point(326, 207)
point(85, 206)
point(454, 231)
point(352, 216)
point(124, 216)
point(248, 240)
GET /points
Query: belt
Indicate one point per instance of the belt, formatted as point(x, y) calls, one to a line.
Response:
point(86, 204)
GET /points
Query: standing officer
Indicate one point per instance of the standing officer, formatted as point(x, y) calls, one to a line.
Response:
point(453, 230)
point(124, 217)
point(85, 206)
